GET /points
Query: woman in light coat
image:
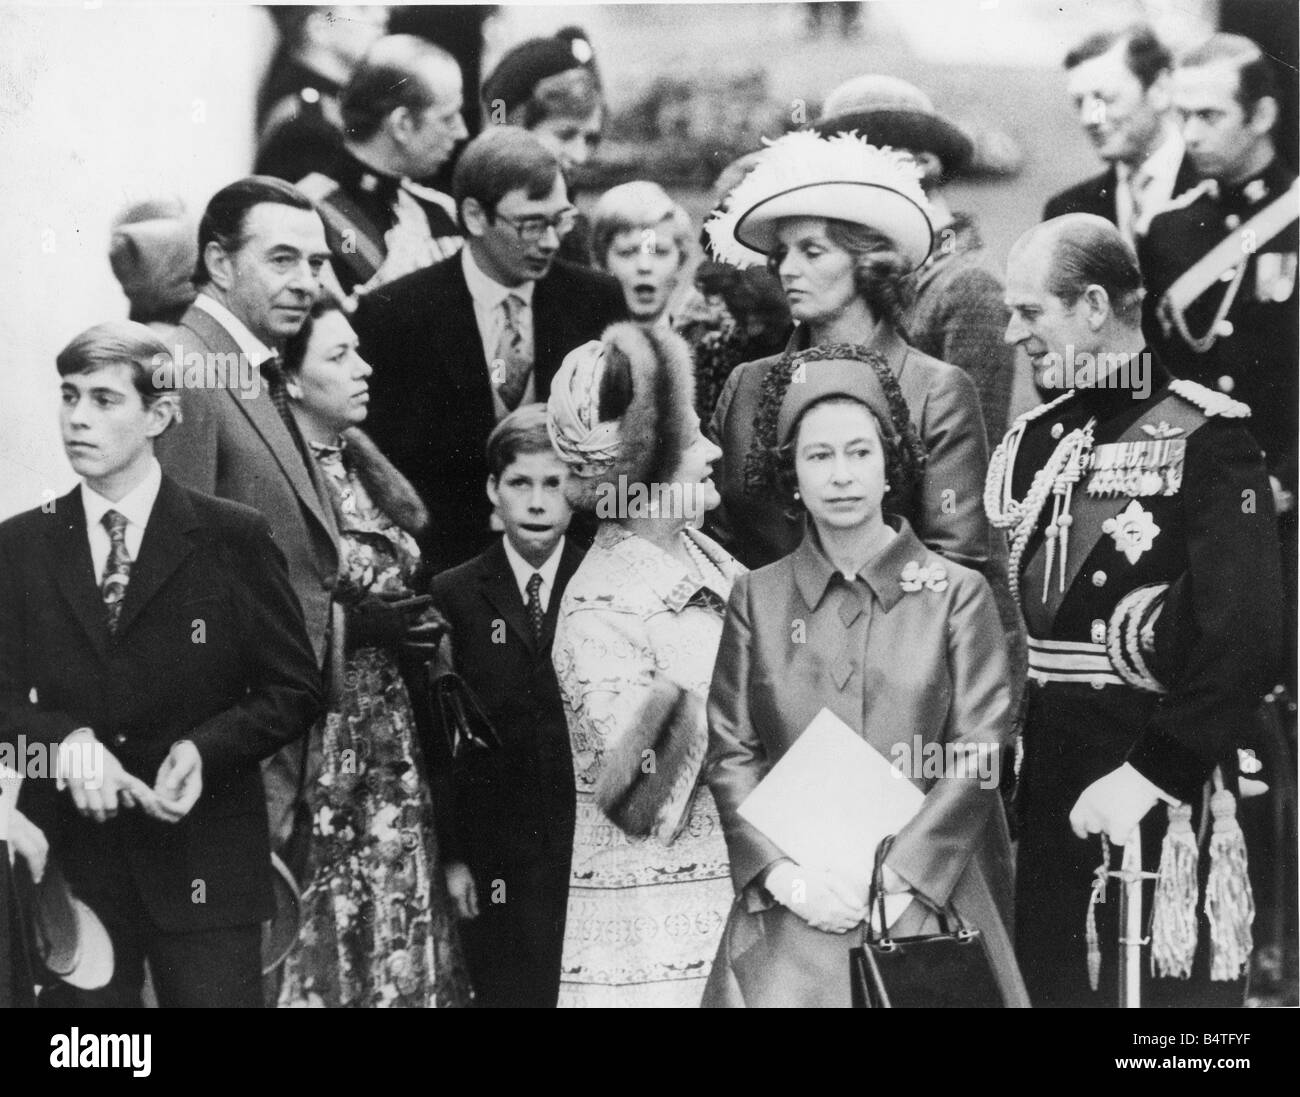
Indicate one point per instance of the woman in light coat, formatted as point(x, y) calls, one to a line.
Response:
point(905, 648)
point(633, 653)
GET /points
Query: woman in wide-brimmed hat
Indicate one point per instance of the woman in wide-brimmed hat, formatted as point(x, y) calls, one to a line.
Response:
point(634, 645)
point(863, 589)
point(958, 315)
point(845, 225)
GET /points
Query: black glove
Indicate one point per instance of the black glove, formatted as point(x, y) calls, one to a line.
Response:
point(382, 621)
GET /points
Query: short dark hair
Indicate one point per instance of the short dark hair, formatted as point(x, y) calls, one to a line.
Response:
point(295, 347)
point(1144, 54)
point(522, 431)
point(225, 218)
point(1086, 250)
point(390, 76)
point(119, 343)
point(499, 160)
point(1256, 76)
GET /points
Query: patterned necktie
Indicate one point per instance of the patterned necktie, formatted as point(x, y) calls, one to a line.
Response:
point(513, 362)
point(117, 568)
point(535, 612)
point(277, 390)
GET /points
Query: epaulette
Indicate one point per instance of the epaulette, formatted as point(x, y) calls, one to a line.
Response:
point(1211, 402)
point(418, 190)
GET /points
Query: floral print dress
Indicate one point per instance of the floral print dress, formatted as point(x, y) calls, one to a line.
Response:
point(377, 927)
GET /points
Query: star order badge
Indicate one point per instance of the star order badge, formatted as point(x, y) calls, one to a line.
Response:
point(1133, 531)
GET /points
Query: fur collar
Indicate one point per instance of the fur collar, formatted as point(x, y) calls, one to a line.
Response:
point(388, 489)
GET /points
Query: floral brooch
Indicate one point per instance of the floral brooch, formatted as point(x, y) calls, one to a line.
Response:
point(933, 577)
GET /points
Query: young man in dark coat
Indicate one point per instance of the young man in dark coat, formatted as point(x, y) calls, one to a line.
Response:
point(459, 345)
point(169, 657)
point(508, 841)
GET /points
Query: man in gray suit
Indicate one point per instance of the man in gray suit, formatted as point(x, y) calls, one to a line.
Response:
point(261, 250)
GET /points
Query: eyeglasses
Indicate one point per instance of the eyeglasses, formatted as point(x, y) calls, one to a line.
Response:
point(532, 229)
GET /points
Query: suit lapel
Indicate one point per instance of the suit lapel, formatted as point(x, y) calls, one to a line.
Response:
point(569, 561)
point(265, 420)
point(74, 572)
point(548, 335)
point(501, 590)
point(165, 546)
point(458, 348)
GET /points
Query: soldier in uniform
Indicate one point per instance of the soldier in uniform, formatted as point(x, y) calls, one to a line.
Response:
point(298, 121)
point(1221, 267)
point(402, 120)
point(1145, 559)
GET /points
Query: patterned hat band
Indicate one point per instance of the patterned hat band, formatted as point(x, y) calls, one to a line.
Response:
point(589, 447)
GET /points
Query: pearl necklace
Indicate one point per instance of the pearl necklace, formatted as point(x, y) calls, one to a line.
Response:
point(703, 565)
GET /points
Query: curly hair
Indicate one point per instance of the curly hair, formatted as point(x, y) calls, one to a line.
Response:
point(882, 277)
point(770, 466)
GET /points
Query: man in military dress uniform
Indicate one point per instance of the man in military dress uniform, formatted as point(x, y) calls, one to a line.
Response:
point(1144, 549)
point(298, 121)
point(1221, 268)
point(401, 121)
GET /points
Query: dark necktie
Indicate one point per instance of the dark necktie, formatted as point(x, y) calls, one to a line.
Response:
point(535, 612)
point(276, 388)
point(117, 568)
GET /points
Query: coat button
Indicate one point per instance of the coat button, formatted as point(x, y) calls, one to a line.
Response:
point(119, 739)
point(1057, 430)
point(1226, 383)
point(1099, 631)
point(1098, 685)
point(1231, 221)
point(1098, 578)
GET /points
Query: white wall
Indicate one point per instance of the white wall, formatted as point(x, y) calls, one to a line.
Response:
point(100, 105)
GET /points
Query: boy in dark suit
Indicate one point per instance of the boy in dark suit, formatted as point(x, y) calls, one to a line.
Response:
point(168, 656)
point(511, 833)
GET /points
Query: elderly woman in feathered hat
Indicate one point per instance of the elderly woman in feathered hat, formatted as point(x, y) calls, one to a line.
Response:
point(633, 653)
point(845, 225)
point(824, 628)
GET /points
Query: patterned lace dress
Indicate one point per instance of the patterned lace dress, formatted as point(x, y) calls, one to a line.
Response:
point(644, 918)
point(378, 928)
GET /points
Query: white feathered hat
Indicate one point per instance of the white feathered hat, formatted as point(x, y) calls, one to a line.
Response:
point(842, 178)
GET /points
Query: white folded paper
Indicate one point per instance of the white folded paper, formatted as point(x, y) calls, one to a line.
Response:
point(830, 800)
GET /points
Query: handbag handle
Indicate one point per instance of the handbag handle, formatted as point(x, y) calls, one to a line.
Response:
point(876, 899)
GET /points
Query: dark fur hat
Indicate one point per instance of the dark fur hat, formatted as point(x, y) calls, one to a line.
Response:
point(633, 391)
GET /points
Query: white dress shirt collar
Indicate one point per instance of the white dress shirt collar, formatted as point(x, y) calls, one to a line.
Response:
point(523, 571)
point(1158, 174)
point(136, 506)
point(250, 346)
point(486, 291)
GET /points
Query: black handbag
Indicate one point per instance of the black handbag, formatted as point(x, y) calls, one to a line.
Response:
point(467, 727)
point(949, 969)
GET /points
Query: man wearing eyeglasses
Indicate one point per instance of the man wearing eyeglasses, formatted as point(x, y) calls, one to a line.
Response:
point(459, 345)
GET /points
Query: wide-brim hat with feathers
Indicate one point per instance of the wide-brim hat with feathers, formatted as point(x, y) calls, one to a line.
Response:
point(842, 178)
point(619, 408)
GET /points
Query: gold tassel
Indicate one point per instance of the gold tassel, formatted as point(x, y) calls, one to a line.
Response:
point(1173, 918)
point(1099, 879)
point(1229, 903)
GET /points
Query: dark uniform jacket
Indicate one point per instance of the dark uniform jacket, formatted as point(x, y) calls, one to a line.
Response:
point(1213, 540)
point(431, 407)
point(250, 687)
point(356, 204)
point(1256, 362)
point(1097, 195)
point(300, 126)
